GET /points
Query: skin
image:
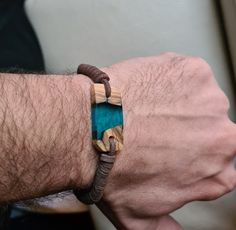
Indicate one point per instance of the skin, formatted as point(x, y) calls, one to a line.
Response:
point(45, 135)
point(179, 143)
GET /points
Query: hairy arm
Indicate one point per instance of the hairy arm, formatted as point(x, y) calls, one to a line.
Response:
point(44, 135)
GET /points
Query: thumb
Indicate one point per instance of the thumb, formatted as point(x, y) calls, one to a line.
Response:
point(159, 223)
point(124, 221)
point(168, 223)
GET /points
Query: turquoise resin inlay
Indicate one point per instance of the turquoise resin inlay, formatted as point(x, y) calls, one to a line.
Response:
point(105, 116)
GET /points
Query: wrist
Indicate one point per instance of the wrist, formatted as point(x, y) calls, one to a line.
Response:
point(85, 158)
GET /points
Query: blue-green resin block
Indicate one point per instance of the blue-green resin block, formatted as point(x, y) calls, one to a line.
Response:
point(105, 116)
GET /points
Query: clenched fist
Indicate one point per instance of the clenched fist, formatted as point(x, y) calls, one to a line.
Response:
point(179, 143)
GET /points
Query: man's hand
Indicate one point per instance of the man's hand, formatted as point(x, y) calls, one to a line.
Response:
point(179, 144)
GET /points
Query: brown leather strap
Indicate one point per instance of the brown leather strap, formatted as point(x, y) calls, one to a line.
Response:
point(94, 193)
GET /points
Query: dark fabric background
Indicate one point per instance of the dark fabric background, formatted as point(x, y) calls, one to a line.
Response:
point(19, 47)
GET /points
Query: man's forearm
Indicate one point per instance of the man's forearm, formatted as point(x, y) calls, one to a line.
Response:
point(44, 135)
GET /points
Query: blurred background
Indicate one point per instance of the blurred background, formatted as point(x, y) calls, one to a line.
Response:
point(57, 35)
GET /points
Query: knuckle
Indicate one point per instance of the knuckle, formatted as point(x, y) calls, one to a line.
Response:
point(229, 143)
point(212, 193)
point(200, 63)
point(229, 180)
point(234, 138)
point(217, 186)
point(222, 101)
point(225, 103)
point(219, 146)
point(201, 69)
point(215, 193)
point(228, 185)
point(233, 128)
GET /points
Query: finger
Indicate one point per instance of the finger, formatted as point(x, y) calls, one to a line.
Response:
point(227, 178)
point(214, 187)
point(226, 143)
point(222, 183)
point(168, 223)
point(232, 137)
point(159, 223)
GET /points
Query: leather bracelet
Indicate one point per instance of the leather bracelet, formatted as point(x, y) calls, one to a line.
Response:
point(107, 130)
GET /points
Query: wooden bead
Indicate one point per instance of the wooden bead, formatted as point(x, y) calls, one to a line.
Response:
point(98, 95)
point(115, 132)
point(115, 98)
point(104, 145)
point(99, 145)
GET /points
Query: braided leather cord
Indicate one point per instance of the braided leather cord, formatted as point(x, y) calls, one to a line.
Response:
point(94, 193)
point(96, 75)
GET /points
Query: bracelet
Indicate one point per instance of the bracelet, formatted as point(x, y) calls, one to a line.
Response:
point(107, 130)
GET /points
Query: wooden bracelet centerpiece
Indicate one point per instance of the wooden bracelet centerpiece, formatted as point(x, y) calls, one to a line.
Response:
point(107, 130)
point(107, 118)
